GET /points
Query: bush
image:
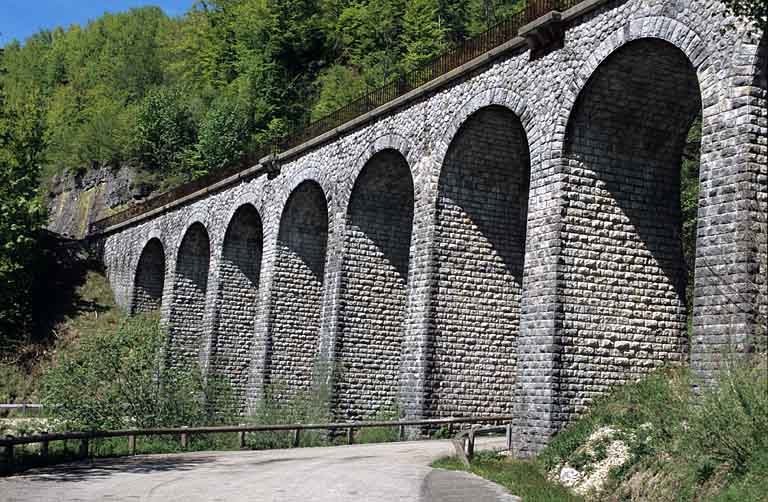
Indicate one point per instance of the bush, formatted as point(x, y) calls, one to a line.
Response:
point(731, 423)
point(304, 407)
point(114, 380)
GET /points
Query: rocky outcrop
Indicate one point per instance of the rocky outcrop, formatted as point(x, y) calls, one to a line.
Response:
point(74, 201)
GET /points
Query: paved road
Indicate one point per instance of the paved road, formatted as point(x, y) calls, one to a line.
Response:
point(370, 473)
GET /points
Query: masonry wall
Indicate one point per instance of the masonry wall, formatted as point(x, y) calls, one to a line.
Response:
point(759, 229)
point(297, 290)
point(624, 282)
point(600, 299)
point(150, 278)
point(479, 245)
point(232, 347)
point(374, 288)
point(188, 306)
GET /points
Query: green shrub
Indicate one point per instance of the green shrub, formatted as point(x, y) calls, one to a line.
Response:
point(730, 425)
point(114, 380)
point(278, 407)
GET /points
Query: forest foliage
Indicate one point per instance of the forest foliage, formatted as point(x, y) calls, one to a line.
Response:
point(186, 95)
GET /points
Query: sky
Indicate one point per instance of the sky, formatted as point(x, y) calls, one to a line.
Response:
point(21, 18)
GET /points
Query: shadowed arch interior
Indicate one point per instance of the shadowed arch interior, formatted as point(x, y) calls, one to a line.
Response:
point(189, 290)
point(150, 278)
point(374, 287)
point(624, 277)
point(233, 342)
point(297, 291)
point(478, 261)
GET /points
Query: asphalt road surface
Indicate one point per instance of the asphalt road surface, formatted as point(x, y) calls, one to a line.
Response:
point(370, 473)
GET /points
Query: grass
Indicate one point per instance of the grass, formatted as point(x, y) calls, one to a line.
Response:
point(523, 478)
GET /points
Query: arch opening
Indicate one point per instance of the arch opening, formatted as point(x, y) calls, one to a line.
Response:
point(479, 249)
point(240, 268)
point(297, 292)
point(150, 279)
point(189, 291)
point(374, 288)
point(625, 273)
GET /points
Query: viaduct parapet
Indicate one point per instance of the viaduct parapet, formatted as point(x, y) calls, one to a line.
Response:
point(503, 239)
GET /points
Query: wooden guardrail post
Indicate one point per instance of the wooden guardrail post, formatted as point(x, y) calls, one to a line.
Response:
point(450, 429)
point(401, 432)
point(241, 438)
point(132, 444)
point(82, 451)
point(471, 443)
point(509, 436)
point(296, 437)
point(350, 435)
point(184, 439)
point(44, 447)
point(9, 453)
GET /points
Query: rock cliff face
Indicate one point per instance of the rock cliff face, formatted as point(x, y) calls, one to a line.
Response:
point(74, 201)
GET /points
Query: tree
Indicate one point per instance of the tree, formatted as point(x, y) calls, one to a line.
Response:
point(164, 129)
point(224, 133)
point(423, 32)
point(754, 10)
point(21, 212)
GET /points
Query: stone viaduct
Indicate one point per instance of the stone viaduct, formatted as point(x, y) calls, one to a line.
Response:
point(503, 239)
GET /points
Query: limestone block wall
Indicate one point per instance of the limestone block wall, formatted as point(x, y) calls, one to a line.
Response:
point(624, 278)
point(374, 288)
point(478, 261)
point(571, 154)
point(232, 345)
point(189, 294)
point(298, 289)
point(150, 278)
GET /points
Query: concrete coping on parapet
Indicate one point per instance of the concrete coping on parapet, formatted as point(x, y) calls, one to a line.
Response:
point(263, 164)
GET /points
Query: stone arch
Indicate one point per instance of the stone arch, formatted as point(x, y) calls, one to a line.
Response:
point(391, 141)
point(239, 277)
point(670, 30)
point(480, 225)
point(494, 96)
point(297, 289)
point(149, 278)
point(374, 282)
point(187, 316)
point(622, 269)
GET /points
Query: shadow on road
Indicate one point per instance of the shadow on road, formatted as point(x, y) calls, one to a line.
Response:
point(102, 468)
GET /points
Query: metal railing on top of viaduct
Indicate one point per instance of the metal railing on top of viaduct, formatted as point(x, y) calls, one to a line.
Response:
point(299, 133)
point(465, 439)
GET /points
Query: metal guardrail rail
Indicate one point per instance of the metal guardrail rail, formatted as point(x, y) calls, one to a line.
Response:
point(399, 86)
point(44, 439)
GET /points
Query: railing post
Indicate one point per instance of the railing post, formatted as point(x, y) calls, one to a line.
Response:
point(131, 444)
point(296, 437)
point(9, 453)
point(241, 438)
point(350, 435)
point(450, 429)
point(402, 432)
point(509, 437)
point(184, 439)
point(44, 446)
point(82, 451)
point(471, 443)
